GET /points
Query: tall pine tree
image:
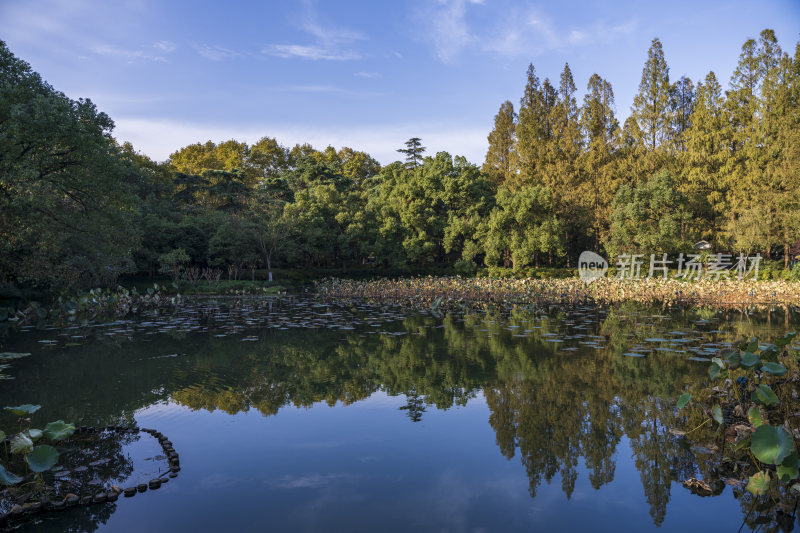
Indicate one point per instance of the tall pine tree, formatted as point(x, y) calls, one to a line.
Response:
point(682, 104)
point(600, 127)
point(651, 105)
point(499, 164)
point(706, 154)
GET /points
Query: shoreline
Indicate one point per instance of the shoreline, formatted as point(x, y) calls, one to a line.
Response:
point(569, 291)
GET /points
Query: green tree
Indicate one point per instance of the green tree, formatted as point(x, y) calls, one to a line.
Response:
point(651, 105)
point(648, 218)
point(521, 229)
point(563, 174)
point(355, 165)
point(706, 155)
point(269, 227)
point(682, 104)
point(269, 158)
point(600, 129)
point(532, 130)
point(65, 211)
point(232, 247)
point(174, 262)
point(196, 158)
point(413, 151)
point(499, 157)
point(774, 169)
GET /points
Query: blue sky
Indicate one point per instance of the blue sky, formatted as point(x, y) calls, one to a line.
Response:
point(368, 75)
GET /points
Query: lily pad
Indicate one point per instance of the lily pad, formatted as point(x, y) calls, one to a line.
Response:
point(756, 416)
point(788, 469)
point(774, 368)
point(714, 371)
point(758, 484)
point(716, 413)
point(732, 357)
point(750, 360)
point(771, 444)
point(22, 410)
point(58, 430)
point(7, 478)
point(781, 343)
point(765, 394)
point(683, 401)
point(752, 346)
point(42, 458)
point(21, 443)
point(35, 434)
point(6, 356)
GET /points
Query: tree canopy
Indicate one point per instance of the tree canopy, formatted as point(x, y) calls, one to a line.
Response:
point(561, 175)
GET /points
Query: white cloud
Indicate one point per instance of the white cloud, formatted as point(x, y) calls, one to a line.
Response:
point(330, 43)
point(308, 52)
point(447, 28)
point(504, 30)
point(329, 35)
point(216, 53)
point(367, 75)
point(71, 27)
point(131, 55)
point(314, 89)
point(159, 138)
point(165, 46)
point(531, 31)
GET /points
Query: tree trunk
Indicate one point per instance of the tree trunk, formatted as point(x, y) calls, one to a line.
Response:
point(786, 246)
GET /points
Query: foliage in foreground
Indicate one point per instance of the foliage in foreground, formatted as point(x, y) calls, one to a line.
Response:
point(750, 420)
point(21, 452)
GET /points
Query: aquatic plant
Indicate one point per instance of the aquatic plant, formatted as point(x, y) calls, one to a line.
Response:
point(37, 458)
point(97, 304)
point(752, 414)
point(454, 291)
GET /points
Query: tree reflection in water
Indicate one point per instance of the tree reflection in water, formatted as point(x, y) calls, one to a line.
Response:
point(560, 386)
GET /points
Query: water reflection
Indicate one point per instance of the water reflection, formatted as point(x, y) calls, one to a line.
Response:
point(562, 387)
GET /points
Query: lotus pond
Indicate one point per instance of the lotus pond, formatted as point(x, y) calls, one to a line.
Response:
point(297, 414)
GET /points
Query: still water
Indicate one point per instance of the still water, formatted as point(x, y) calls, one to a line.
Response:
point(296, 415)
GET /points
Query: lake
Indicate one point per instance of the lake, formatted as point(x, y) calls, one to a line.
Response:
point(291, 414)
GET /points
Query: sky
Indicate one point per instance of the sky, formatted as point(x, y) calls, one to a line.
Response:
point(368, 74)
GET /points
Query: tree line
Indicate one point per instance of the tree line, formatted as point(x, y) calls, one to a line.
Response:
point(690, 162)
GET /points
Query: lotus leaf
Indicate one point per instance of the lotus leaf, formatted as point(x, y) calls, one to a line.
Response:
point(716, 413)
point(42, 458)
point(771, 444)
point(765, 394)
point(22, 410)
point(759, 483)
point(755, 415)
point(21, 443)
point(683, 401)
point(58, 430)
point(788, 469)
point(774, 368)
point(7, 478)
point(750, 360)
